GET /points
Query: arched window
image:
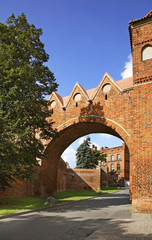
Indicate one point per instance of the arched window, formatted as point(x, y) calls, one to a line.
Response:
point(112, 167)
point(146, 52)
point(118, 167)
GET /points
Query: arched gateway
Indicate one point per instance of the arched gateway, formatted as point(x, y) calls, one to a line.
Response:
point(121, 108)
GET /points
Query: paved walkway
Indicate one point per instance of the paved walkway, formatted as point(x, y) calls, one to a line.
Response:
point(139, 227)
point(106, 217)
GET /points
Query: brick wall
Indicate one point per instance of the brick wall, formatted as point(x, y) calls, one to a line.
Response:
point(18, 189)
point(141, 36)
point(61, 176)
point(24, 188)
point(83, 179)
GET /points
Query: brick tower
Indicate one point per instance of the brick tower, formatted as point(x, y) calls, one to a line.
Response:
point(141, 45)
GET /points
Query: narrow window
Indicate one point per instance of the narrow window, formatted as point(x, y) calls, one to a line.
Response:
point(112, 157)
point(106, 158)
point(118, 167)
point(118, 156)
point(106, 97)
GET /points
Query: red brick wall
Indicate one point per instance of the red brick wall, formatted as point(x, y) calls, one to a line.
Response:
point(141, 164)
point(24, 188)
point(61, 176)
point(141, 36)
point(83, 179)
point(19, 189)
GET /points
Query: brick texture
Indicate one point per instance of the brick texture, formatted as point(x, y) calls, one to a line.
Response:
point(124, 111)
point(83, 179)
point(123, 162)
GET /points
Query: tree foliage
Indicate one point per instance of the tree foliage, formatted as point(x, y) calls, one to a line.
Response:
point(97, 156)
point(25, 81)
point(84, 155)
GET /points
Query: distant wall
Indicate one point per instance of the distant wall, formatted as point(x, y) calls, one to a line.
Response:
point(83, 179)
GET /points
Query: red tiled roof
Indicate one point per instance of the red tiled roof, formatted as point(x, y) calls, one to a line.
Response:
point(65, 100)
point(90, 92)
point(59, 97)
point(125, 83)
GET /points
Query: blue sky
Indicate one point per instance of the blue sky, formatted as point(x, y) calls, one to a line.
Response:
point(85, 39)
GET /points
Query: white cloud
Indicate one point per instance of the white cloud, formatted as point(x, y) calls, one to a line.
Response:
point(106, 136)
point(69, 156)
point(81, 140)
point(128, 68)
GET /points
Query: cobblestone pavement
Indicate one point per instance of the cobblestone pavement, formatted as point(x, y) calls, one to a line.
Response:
point(107, 217)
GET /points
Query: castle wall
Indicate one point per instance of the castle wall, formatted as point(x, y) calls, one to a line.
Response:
point(83, 179)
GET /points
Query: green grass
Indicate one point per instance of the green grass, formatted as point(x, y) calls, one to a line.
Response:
point(14, 205)
point(68, 196)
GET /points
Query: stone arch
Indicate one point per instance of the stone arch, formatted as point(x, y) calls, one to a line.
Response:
point(67, 135)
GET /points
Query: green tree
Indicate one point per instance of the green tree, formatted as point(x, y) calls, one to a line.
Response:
point(25, 81)
point(84, 155)
point(96, 157)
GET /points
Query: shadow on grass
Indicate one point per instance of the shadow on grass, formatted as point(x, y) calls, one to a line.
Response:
point(12, 205)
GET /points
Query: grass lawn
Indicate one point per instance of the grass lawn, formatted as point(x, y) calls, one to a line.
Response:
point(68, 196)
point(14, 205)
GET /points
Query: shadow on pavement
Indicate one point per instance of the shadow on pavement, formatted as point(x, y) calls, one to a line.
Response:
point(103, 201)
point(79, 221)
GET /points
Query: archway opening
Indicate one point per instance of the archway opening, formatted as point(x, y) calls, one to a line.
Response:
point(68, 135)
point(113, 164)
